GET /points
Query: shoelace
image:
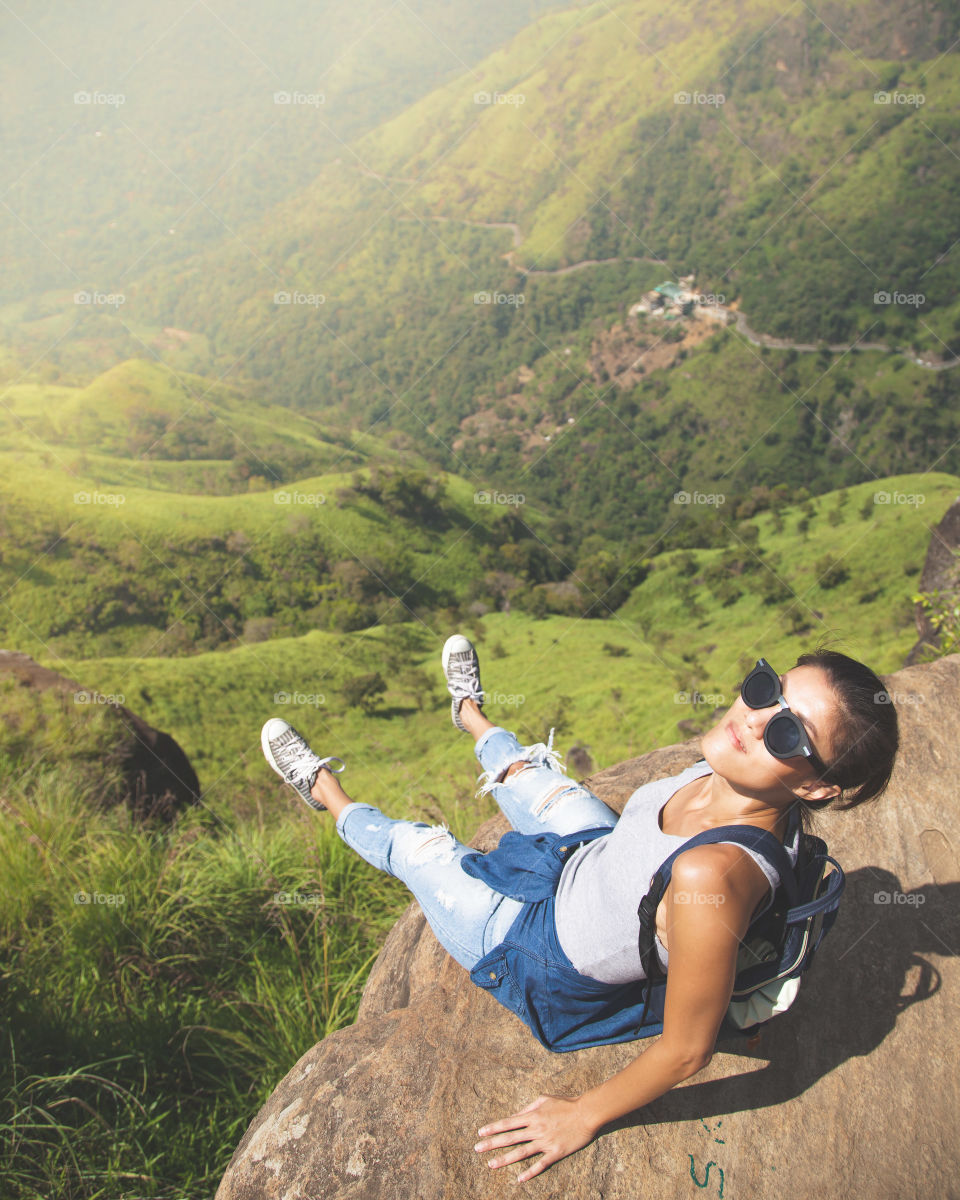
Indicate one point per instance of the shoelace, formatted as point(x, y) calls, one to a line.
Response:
point(304, 770)
point(295, 758)
point(461, 666)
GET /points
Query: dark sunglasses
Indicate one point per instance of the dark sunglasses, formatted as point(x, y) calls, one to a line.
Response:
point(785, 735)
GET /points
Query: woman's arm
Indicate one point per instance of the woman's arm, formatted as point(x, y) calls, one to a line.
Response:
point(712, 895)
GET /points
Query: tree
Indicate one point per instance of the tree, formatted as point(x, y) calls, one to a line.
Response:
point(363, 691)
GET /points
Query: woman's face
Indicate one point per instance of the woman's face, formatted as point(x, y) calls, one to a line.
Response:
point(734, 747)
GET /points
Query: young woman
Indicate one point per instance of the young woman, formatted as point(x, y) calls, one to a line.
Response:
point(822, 733)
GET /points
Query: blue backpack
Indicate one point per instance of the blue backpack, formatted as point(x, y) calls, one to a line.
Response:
point(779, 944)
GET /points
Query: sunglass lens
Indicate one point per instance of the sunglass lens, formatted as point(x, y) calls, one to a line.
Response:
point(782, 735)
point(760, 689)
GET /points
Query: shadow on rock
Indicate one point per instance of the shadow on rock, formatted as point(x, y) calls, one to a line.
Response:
point(879, 941)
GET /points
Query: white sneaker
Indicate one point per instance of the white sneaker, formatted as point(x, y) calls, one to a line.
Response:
point(462, 670)
point(293, 760)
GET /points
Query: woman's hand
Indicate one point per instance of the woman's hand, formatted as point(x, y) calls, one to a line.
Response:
point(550, 1126)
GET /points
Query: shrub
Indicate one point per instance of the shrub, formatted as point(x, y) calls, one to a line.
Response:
point(830, 571)
point(363, 691)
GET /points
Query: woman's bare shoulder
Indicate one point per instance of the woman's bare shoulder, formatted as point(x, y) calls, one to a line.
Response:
point(721, 869)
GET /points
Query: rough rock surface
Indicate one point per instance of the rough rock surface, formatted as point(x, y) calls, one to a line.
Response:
point(941, 572)
point(157, 777)
point(851, 1093)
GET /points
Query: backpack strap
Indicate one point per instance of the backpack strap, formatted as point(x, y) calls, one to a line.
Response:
point(767, 846)
point(828, 899)
point(764, 843)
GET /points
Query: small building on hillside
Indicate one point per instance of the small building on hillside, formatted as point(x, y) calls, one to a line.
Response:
point(668, 300)
point(674, 296)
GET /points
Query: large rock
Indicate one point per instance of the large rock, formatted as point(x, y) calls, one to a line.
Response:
point(55, 720)
point(851, 1093)
point(941, 572)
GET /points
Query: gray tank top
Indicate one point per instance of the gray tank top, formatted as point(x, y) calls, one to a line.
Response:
point(604, 881)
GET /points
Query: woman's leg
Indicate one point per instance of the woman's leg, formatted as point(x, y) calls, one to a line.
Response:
point(468, 917)
point(528, 782)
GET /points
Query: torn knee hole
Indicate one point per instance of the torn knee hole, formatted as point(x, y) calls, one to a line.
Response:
point(436, 843)
point(550, 797)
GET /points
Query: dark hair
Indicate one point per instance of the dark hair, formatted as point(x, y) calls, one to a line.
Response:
point(866, 733)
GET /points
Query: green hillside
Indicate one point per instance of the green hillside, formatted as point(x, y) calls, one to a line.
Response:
point(116, 541)
point(804, 205)
point(142, 423)
point(797, 198)
point(787, 149)
point(91, 571)
point(841, 566)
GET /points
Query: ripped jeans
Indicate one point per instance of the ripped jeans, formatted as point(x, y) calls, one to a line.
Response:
point(468, 917)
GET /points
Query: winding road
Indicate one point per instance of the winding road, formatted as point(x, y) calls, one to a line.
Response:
point(763, 340)
point(768, 342)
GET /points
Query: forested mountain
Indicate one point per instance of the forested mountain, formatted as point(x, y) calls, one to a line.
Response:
point(802, 167)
